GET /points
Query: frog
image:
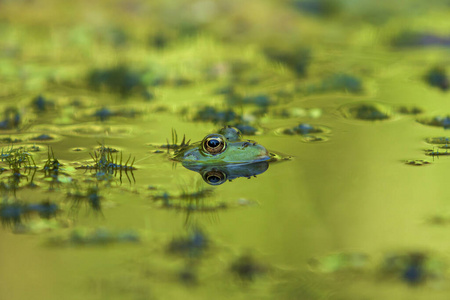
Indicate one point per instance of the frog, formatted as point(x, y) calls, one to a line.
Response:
point(222, 148)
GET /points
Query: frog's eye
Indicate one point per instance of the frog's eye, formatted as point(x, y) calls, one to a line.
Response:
point(215, 177)
point(214, 144)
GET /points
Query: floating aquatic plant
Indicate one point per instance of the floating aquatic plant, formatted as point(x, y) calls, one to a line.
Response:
point(106, 163)
point(417, 162)
point(366, 111)
point(438, 140)
point(21, 164)
point(438, 77)
point(432, 152)
point(174, 145)
point(217, 116)
point(42, 104)
point(17, 157)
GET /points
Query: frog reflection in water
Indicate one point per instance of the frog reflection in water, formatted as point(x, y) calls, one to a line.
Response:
point(223, 156)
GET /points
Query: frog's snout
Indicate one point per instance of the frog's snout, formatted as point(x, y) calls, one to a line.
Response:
point(263, 153)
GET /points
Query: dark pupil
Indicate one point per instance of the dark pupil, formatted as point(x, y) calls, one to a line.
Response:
point(213, 143)
point(213, 179)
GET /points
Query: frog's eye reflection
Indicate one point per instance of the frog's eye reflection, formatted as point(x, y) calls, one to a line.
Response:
point(214, 144)
point(215, 177)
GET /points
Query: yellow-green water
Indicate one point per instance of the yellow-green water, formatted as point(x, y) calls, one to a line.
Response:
point(350, 194)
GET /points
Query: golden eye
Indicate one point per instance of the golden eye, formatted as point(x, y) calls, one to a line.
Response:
point(215, 177)
point(214, 144)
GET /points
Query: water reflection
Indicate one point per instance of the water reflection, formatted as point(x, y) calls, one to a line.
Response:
point(219, 174)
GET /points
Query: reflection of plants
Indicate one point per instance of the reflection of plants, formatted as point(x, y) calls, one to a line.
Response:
point(13, 212)
point(98, 237)
point(192, 245)
point(90, 197)
point(190, 201)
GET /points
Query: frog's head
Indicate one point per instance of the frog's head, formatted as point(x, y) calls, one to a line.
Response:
point(216, 149)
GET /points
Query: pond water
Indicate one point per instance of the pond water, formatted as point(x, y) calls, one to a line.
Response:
point(92, 109)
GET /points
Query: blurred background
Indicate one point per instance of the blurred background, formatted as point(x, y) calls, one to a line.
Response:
point(352, 96)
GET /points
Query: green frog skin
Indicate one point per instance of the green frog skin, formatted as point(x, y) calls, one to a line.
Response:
point(221, 149)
